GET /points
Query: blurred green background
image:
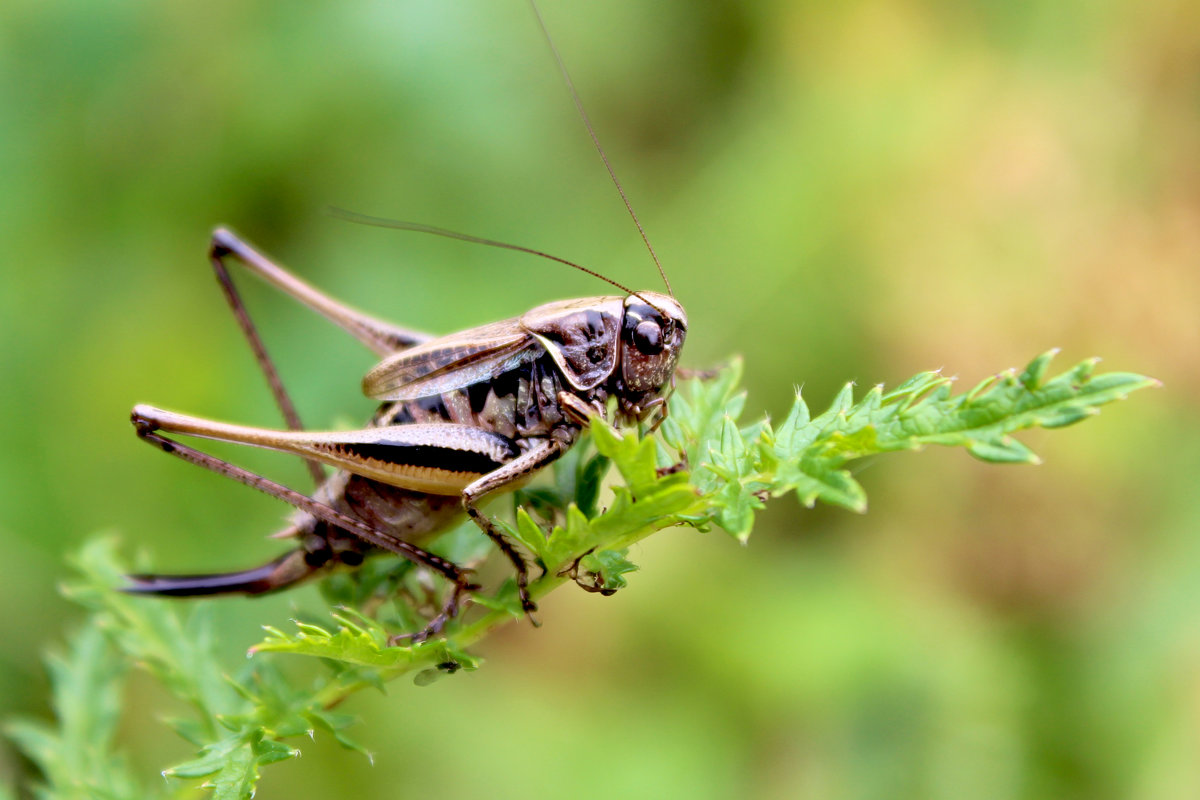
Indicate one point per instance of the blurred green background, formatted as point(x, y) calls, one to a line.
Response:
point(839, 191)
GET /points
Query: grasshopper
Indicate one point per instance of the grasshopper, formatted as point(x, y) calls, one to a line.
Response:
point(463, 417)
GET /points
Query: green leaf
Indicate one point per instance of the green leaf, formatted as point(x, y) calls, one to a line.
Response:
point(1002, 450)
point(335, 724)
point(77, 758)
point(1032, 377)
point(635, 458)
point(608, 568)
point(808, 455)
point(213, 758)
point(362, 642)
point(155, 635)
point(529, 534)
point(236, 778)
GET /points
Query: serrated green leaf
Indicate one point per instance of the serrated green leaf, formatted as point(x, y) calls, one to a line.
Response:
point(1032, 377)
point(914, 387)
point(238, 775)
point(335, 724)
point(832, 486)
point(1065, 415)
point(808, 455)
point(609, 567)
point(529, 534)
point(843, 401)
point(268, 750)
point(1002, 450)
point(587, 487)
point(189, 730)
point(37, 740)
point(78, 756)
point(635, 458)
point(212, 759)
point(506, 600)
point(345, 645)
point(795, 424)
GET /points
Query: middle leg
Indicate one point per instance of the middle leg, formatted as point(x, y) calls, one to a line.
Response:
point(525, 464)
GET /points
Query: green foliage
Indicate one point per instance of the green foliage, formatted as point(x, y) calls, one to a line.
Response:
point(238, 723)
point(76, 757)
point(737, 468)
point(705, 469)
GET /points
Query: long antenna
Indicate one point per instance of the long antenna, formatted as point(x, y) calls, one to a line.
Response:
point(562, 67)
point(401, 225)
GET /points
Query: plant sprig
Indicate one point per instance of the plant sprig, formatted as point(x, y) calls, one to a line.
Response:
point(704, 469)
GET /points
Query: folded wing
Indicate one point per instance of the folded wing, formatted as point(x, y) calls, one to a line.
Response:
point(452, 362)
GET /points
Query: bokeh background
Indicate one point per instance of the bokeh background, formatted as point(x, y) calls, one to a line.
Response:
point(840, 191)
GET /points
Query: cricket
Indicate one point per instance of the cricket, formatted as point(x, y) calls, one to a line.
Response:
point(462, 417)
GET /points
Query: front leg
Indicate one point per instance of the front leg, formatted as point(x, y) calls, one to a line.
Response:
point(527, 463)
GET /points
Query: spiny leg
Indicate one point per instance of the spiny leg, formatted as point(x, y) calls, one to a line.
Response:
point(528, 462)
point(452, 572)
point(216, 253)
point(383, 338)
point(435, 626)
point(661, 404)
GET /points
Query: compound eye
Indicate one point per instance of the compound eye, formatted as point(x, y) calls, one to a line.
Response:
point(648, 338)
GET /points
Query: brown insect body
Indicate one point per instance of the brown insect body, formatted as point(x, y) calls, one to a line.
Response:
point(520, 404)
point(463, 416)
point(579, 350)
